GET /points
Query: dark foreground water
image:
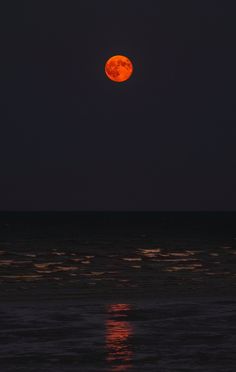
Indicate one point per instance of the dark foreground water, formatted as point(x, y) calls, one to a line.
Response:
point(117, 292)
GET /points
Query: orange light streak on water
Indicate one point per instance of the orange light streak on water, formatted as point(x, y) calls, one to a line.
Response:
point(118, 334)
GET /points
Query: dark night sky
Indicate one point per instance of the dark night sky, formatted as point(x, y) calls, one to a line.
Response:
point(70, 139)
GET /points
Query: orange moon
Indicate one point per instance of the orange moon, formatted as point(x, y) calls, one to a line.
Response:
point(119, 68)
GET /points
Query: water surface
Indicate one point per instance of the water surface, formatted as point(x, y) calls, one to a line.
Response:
point(117, 292)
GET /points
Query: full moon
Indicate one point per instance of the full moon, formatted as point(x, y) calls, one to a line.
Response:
point(119, 68)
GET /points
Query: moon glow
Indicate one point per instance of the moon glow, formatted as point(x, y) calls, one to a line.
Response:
point(119, 68)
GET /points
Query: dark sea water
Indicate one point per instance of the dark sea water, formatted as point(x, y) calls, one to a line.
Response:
point(117, 291)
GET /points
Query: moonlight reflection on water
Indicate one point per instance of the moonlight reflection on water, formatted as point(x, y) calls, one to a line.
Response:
point(118, 334)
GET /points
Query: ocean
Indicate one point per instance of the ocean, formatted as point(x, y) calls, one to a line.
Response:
point(117, 291)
